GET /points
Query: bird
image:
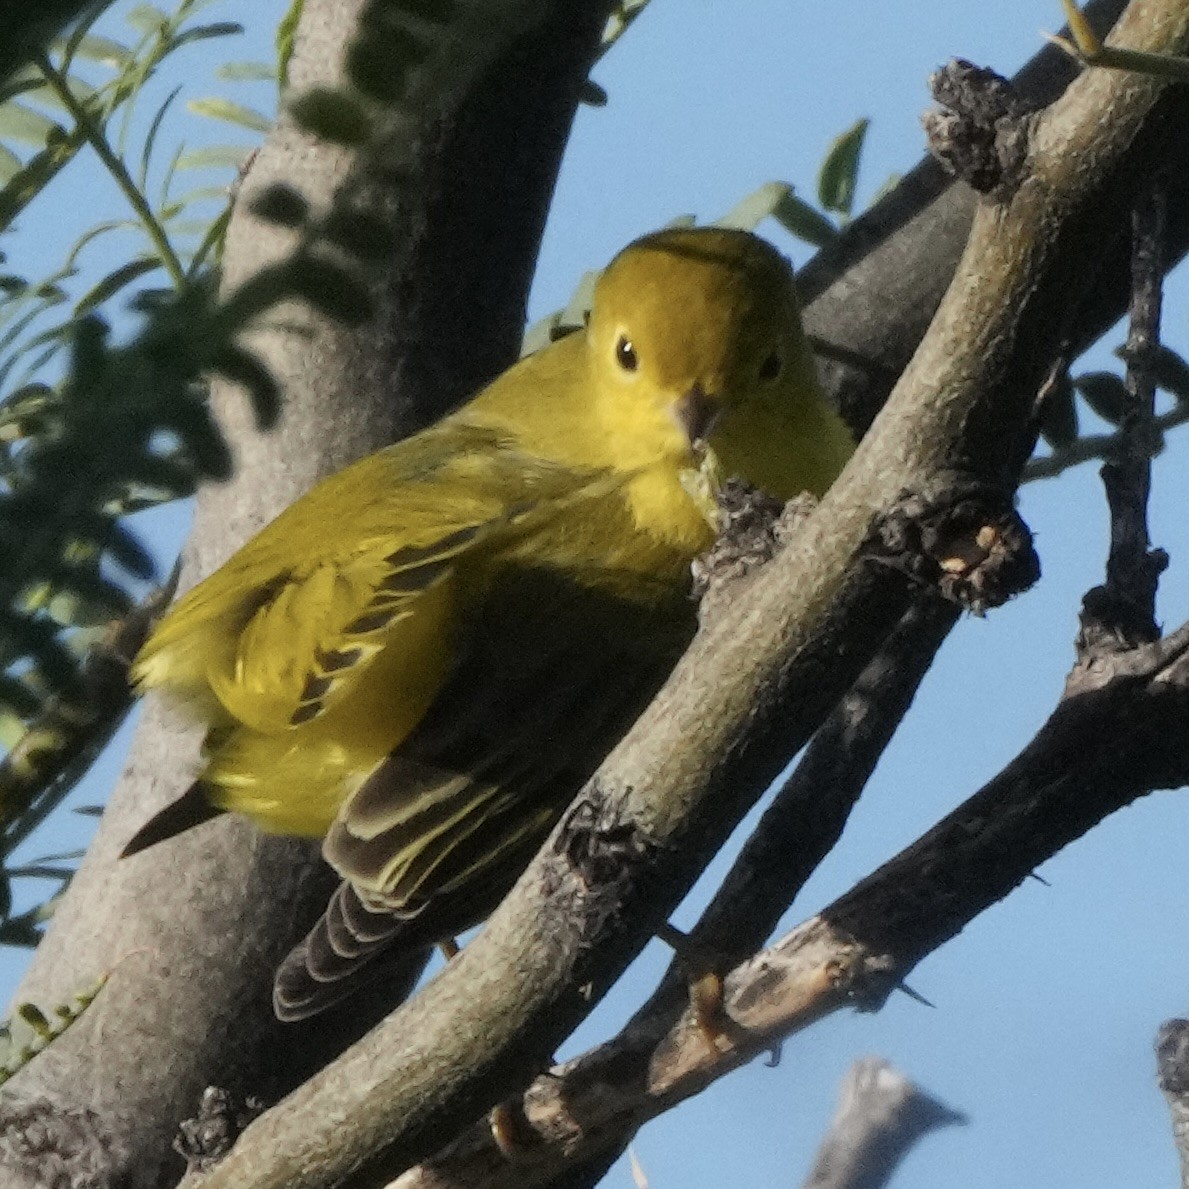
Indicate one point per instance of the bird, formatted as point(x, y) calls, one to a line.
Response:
point(423, 659)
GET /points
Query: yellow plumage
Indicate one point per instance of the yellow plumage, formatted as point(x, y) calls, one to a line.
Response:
point(428, 652)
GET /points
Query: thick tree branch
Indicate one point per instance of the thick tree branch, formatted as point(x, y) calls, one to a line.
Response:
point(752, 688)
point(808, 814)
point(204, 920)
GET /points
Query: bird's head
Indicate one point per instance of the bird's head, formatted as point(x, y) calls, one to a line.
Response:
point(696, 346)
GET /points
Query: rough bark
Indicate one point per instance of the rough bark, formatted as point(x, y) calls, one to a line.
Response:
point(195, 929)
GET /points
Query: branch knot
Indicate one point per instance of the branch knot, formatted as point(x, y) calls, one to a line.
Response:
point(964, 539)
point(980, 135)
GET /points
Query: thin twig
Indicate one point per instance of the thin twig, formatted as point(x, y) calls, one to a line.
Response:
point(96, 138)
point(1122, 612)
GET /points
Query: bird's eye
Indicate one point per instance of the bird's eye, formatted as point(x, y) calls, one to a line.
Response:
point(625, 354)
point(771, 368)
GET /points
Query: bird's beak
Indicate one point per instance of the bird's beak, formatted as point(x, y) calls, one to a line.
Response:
point(697, 412)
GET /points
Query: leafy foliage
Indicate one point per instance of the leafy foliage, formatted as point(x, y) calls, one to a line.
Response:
point(91, 429)
point(128, 424)
point(31, 1030)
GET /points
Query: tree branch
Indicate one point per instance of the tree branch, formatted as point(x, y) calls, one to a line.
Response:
point(1106, 744)
point(751, 690)
point(204, 921)
point(1172, 1074)
point(881, 1116)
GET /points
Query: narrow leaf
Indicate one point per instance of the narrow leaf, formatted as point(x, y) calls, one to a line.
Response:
point(25, 125)
point(805, 222)
point(757, 206)
point(99, 49)
point(247, 72)
point(1105, 393)
point(839, 173)
point(115, 281)
point(206, 33)
point(10, 164)
point(217, 108)
point(214, 156)
point(146, 154)
point(145, 18)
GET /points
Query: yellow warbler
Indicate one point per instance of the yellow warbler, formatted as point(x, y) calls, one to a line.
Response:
point(425, 657)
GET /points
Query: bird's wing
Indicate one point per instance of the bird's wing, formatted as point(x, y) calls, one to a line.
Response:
point(282, 631)
point(549, 677)
point(313, 638)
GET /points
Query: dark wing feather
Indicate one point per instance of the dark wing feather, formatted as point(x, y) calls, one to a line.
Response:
point(549, 677)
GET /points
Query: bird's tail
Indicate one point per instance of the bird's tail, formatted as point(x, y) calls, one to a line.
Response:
point(349, 947)
point(192, 808)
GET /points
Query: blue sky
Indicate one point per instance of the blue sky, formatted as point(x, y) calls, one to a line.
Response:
point(1047, 1006)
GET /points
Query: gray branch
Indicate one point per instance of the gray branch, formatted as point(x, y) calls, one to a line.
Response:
point(194, 931)
point(1172, 1074)
point(881, 1116)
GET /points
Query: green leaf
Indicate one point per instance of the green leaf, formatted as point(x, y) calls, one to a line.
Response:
point(286, 32)
point(38, 172)
point(1059, 415)
point(97, 49)
point(21, 82)
point(191, 196)
point(146, 153)
point(592, 94)
point(247, 72)
point(145, 18)
point(756, 207)
point(206, 33)
point(804, 221)
point(1105, 393)
point(217, 108)
point(10, 164)
point(115, 281)
point(839, 173)
point(46, 95)
point(212, 242)
point(215, 157)
point(333, 115)
point(1171, 373)
point(90, 16)
point(25, 125)
point(91, 234)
